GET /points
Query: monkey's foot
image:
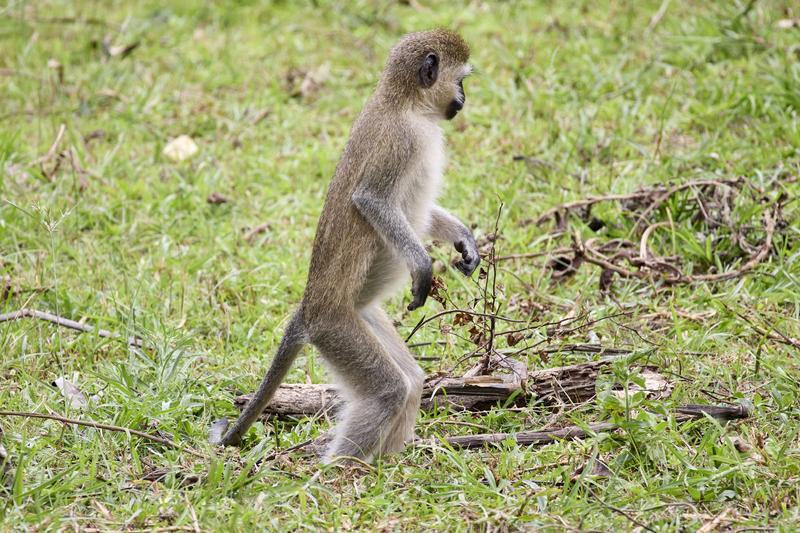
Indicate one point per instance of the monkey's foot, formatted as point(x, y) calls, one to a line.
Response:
point(217, 431)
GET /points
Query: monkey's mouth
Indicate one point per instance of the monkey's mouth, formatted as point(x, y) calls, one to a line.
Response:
point(453, 108)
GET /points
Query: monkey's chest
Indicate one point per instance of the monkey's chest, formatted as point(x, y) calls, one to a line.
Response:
point(424, 182)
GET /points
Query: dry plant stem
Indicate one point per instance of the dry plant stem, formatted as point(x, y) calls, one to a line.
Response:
point(466, 312)
point(65, 323)
point(530, 255)
point(53, 147)
point(108, 427)
point(773, 333)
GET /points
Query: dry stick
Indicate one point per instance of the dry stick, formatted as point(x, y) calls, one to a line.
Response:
point(685, 413)
point(466, 312)
point(98, 425)
point(658, 15)
point(65, 323)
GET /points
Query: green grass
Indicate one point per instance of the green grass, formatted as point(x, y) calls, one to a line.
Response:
point(606, 103)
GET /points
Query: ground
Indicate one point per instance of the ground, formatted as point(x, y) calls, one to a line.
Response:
point(204, 259)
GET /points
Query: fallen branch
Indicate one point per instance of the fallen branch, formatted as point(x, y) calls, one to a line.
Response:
point(685, 413)
point(65, 323)
point(566, 384)
point(108, 427)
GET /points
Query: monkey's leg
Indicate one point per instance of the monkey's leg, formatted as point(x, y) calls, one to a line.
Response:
point(403, 428)
point(373, 383)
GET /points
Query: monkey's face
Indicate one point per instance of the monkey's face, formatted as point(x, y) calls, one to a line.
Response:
point(443, 86)
point(457, 102)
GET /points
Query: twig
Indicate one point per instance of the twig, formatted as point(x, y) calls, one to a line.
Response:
point(774, 334)
point(65, 323)
point(714, 523)
point(493, 268)
point(466, 312)
point(658, 15)
point(98, 425)
point(558, 251)
point(621, 512)
point(53, 147)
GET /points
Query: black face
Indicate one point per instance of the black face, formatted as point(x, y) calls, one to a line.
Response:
point(456, 105)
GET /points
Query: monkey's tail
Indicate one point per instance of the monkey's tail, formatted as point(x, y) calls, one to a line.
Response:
point(294, 338)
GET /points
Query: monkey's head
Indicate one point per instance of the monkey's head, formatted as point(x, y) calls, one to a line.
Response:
point(428, 69)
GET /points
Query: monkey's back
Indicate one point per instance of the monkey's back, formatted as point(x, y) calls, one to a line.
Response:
point(346, 246)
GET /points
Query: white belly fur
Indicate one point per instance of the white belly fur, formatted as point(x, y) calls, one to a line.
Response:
point(421, 188)
point(425, 176)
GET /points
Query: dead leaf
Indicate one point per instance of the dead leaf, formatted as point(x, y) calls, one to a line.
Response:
point(72, 394)
point(514, 338)
point(216, 198)
point(257, 230)
point(58, 67)
point(304, 84)
point(118, 50)
point(438, 290)
point(655, 386)
point(787, 24)
point(264, 113)
point(714, 523)
point(599, 469)
point(180, 148)
point(461, 319)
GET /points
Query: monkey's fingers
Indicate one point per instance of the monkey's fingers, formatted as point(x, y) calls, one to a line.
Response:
point(468, 264)
point(419, 292)
point(217, 431)
point(418, 301)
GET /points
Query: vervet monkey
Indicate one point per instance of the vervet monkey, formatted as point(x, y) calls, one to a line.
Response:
point(379, 207)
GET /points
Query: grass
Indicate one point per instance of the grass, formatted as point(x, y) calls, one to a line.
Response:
point(601, 98)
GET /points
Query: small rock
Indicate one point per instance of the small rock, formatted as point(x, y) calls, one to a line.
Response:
point(180, 148)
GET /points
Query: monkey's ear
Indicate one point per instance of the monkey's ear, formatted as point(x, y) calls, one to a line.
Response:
point(429, 70)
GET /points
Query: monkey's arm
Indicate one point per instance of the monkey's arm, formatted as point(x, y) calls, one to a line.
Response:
point(446, 227)
point(392, 225)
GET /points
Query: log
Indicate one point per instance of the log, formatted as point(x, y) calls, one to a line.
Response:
point(567, 384)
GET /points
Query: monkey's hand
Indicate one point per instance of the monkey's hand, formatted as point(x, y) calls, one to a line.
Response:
point(470, 258)
point(421, 281)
